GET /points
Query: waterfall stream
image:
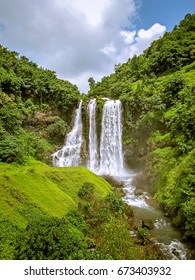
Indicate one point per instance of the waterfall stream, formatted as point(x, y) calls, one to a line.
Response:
point(93, 162)
point(111, 154)
point(167, 237)
point(108, 160)
point(69, 155)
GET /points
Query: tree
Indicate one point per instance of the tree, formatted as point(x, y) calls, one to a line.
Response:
point(50, 239)
point(91, 82)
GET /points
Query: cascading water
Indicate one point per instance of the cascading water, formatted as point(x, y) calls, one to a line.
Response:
point(167, 237)
point(111, 154)
point(69, 155)
point(112, 164)
point(108, 160)
point(93, 162)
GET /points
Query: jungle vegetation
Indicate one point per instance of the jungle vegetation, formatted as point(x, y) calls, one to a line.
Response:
point(89, 220)
point(157, 89)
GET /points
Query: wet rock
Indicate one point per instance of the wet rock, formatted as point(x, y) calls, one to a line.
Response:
point(192, 255)
point(113, 182)
point(147, 223)
point(151, 239)
point(166, 214)
point(176, 253)
point(138, 192)
point(138, 223)
point(133, 233)
point(187, 236)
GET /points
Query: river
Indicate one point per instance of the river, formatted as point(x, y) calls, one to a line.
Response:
point(107, 159)
point(166, 236)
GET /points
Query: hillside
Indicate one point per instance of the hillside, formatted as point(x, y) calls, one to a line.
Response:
point(36, 108)
point(157, 90)
point(34, 191)
point(44, 189)
point(64, 213)
point(71, 213)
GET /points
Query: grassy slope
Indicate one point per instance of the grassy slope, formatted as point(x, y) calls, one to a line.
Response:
point(37, 189)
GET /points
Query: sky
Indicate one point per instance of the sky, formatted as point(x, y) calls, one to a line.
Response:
point(79, 39)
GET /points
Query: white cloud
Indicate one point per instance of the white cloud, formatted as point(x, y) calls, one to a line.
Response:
point(145, 37)
point(109, 50)
point(129, 36)
point(92, 10)
point(133, 43)
point(75, 38)
point(152, 32)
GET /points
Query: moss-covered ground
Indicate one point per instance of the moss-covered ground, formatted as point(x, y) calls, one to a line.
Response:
point(39, 188)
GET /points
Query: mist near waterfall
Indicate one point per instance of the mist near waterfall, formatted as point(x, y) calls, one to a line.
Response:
point(104, 158)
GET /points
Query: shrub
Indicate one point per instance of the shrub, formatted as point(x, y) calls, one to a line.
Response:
point(50, 239)
point(57, 129)
point(86, 191)
point(142, 234)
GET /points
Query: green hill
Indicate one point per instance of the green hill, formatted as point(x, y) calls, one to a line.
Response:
point(42, 189)
point(35, 192)
point(157, 91)
point(63, 213)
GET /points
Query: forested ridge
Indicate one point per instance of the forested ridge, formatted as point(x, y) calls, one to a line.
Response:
point(36, 108)
point(157, 91)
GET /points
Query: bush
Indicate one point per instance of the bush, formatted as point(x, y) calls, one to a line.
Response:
point(77, 220)
point(115, 204)
point(86, 191)
point(19, 148)
point(142, 234)
point(57, 128)
point(176, 189)
point(117, 242)
point(50, 239)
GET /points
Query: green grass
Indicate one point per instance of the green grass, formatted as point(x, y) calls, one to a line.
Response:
point(37, 189)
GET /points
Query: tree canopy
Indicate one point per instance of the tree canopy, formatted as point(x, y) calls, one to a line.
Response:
point(157, 90)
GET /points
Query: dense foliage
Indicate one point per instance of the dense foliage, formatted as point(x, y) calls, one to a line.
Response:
point(72, 214)
point(35, 108)
point(64, 213)
point(157, 90)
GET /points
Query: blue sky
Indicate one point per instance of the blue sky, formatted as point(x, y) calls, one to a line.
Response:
point(79, 39)
point(167, 12)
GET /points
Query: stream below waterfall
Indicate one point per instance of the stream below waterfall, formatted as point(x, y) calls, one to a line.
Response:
point(166, 236)
point(107, 158)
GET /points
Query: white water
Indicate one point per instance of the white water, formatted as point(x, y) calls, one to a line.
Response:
point(69, 155)
point(93, 162)
point(111, 154)
point(108, 160)
point(167, 237)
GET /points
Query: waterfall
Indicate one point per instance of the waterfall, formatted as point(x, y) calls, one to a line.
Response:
point(69, 155)
point(111, 154)
point(108, 160)
point(93, 162)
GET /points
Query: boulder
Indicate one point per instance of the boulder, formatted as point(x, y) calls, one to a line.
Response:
point(138, 192)
point(147, 223)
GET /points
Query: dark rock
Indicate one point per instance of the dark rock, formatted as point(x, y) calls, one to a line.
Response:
point(113, 182)
point(147, 223)
point(166, 214)
point(128, 211)
point(138, 223)
point(152, 239)
point(187, 236)
point(138, 192)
